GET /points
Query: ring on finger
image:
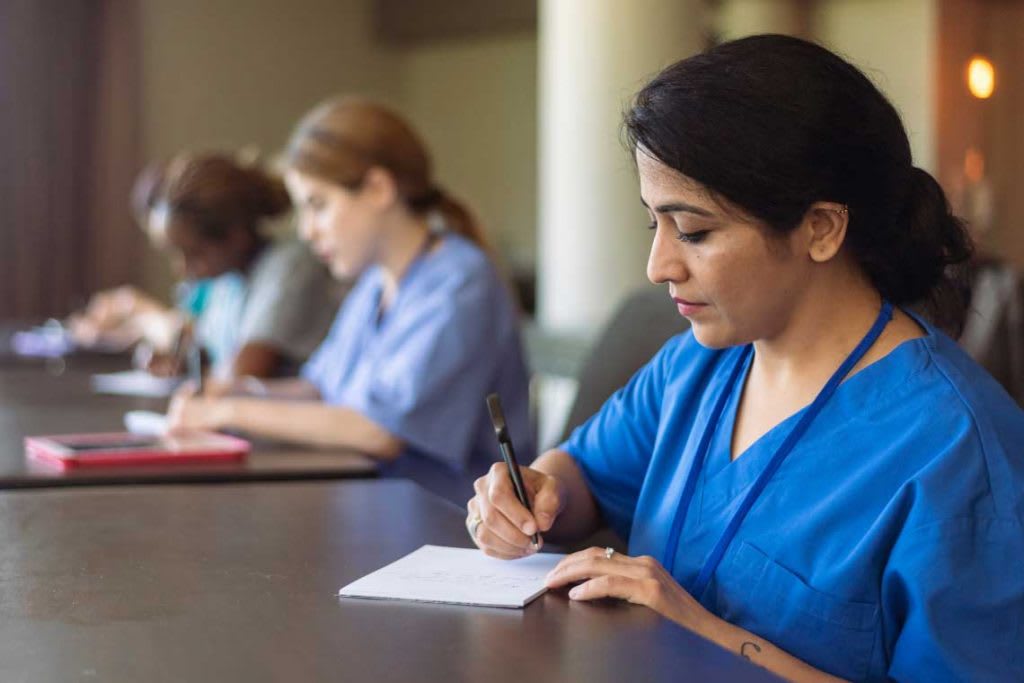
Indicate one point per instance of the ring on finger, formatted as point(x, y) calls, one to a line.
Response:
point(472, 524)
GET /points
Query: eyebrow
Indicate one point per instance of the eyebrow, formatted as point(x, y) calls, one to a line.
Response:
point(679, 207)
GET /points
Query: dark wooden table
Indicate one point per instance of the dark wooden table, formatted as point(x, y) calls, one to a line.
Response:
point(55, 397)
point(239, 583)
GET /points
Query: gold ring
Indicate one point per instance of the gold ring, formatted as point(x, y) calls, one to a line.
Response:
point(472, 524)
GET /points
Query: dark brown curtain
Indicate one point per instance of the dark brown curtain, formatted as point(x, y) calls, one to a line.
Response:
point(69, 149)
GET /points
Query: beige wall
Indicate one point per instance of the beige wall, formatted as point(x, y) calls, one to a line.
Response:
point(220, 74)
point(895, 42)
point(476, 101)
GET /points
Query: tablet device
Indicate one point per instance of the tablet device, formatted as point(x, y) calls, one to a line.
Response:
point(119, 449)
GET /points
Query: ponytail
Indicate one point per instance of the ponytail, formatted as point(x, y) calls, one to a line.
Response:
point(925, 264)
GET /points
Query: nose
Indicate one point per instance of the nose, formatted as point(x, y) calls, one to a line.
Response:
point(665, 263)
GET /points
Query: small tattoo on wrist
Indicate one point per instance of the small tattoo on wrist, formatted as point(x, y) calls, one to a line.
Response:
point(748, 647)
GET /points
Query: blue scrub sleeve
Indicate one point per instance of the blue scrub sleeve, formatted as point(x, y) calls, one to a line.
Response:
point(955, 604)
point(429, 387)
point(614, 447)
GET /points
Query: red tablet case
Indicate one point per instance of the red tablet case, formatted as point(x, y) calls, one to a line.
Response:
point(198, 447)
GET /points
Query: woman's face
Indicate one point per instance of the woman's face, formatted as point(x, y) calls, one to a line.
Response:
point(342, 226)
point(194, 257)
point(734, 281)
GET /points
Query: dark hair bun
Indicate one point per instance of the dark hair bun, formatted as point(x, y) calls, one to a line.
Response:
point(774, 124)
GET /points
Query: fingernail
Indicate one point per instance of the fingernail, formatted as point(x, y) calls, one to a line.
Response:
point(575, 592)
point(529, 528)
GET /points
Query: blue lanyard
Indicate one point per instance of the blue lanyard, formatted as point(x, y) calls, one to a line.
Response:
point(711, 564)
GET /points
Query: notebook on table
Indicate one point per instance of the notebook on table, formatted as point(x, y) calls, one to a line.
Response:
point(457, 576)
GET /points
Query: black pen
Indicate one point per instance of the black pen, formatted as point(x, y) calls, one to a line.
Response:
point(509, 454)
point(195, 364)
point(178, 349)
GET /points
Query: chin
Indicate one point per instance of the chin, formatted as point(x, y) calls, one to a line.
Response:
point(346, 270)
point(712, 336)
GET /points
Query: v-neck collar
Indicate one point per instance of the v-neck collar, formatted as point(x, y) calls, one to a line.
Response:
point(727, 477)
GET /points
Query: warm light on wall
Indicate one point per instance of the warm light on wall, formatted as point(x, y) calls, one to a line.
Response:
point(981, 77)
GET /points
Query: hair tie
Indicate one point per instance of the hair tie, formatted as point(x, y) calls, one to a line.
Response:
point(427, 200)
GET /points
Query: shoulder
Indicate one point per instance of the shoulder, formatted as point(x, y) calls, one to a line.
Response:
point(961, 434)
point(458, 270)
point(459, 260)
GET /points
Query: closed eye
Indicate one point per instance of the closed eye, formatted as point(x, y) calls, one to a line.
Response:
point(695, 237)
point(692, 237)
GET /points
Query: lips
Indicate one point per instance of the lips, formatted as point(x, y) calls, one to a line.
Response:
point(688, 308)
point(325, 254)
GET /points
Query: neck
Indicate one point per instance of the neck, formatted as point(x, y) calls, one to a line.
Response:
point(249, 254)
point(408, 237)
point(821, 331)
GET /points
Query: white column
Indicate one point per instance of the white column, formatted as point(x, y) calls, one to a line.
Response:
point(594, 55)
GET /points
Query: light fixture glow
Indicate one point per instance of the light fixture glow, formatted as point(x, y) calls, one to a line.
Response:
point(981, 77)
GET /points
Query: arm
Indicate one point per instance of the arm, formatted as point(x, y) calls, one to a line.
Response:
point(565, 510)
point(643, 581)
point(257, 359)
point(305, 422)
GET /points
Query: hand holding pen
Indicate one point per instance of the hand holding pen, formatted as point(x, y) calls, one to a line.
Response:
point(513, 505)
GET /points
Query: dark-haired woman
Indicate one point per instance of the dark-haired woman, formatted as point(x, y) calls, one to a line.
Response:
point(257, 304)
point(268, 302)
point(813, 477)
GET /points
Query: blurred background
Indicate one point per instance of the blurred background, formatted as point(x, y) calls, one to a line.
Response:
point(519, 100)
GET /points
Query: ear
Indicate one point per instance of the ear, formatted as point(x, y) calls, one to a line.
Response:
point(379, 187)
point(825, 225)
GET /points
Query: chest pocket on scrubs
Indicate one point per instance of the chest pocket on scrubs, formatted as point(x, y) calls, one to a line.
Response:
point(825, 631)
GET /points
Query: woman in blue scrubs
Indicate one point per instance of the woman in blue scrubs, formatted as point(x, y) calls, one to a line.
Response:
point(427, 332)
point(813, 477)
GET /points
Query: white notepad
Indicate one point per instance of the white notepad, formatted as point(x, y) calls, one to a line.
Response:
point(145, 423)
point(135, 383)
point(458, 576)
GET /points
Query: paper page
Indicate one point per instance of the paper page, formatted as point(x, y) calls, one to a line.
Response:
point(458, 576)
point(145, 423)
point(135, 383)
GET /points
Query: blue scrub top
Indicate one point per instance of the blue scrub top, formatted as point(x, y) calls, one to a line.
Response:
point(890, 543)
point(450, 337)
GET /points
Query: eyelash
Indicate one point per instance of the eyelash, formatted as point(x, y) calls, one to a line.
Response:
point(695, 237)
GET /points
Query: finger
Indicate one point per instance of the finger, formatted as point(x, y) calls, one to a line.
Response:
point(491, 542)
point(590, 568)
point(496, 521)
point(590, 553)
point(491, 552)
point(178, 414)
point(186, 389)
point(546, 500)
point(493, 548)
point(609, 586)
point(502, 496)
